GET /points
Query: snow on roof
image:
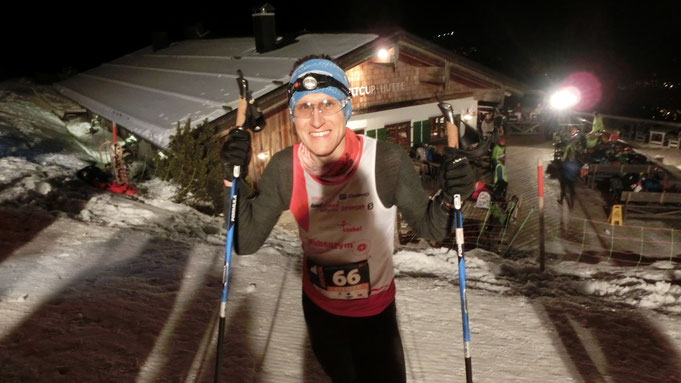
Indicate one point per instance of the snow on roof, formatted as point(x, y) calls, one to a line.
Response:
point(149, 92)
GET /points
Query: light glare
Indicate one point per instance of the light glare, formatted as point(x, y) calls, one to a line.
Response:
point(565, 98)
point(383, 54)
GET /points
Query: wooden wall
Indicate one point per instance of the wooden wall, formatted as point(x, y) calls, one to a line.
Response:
point(374, 84)
point(277, 135)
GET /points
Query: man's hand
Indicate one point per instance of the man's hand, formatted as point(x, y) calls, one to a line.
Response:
point(456, 175)
point(236, 151)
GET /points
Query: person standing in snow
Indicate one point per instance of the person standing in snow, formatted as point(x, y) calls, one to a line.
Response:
point(344, 190)
point(569, 172)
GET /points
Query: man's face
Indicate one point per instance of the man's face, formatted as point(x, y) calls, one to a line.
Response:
point(323, 135)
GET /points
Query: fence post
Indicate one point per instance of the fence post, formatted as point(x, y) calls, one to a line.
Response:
point(671, 249)
point(540, 193)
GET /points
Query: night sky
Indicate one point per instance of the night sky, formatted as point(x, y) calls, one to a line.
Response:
point(630, 48)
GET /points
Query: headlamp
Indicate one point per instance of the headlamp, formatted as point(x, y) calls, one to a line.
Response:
point(312, 81)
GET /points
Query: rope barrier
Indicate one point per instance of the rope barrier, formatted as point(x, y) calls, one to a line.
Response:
point(477, 242)
point(519, 230)
point(597, 238)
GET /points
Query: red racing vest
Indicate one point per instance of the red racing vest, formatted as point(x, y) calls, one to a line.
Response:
point(347, 238)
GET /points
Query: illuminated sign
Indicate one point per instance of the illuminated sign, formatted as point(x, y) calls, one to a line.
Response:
point(367, 90)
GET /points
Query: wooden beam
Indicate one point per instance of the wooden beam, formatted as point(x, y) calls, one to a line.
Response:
point(432, 75)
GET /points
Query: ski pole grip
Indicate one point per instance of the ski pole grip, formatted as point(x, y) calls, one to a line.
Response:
point(241, 111)
point(452, 135)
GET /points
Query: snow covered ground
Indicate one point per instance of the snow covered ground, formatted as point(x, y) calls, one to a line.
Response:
point(96, 286)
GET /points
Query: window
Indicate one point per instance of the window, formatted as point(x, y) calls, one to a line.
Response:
point(400, 134)
point(438, 127)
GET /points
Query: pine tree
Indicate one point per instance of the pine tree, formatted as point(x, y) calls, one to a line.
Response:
point(192, 162)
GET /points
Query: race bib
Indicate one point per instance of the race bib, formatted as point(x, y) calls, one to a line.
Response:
point(350, 281)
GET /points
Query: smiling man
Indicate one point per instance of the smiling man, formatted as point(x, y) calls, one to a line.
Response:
point(344, 190)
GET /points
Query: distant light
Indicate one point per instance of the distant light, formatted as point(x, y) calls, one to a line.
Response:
point(467, 117)
point(262, 156)
point(383, 54)
point(565, 98)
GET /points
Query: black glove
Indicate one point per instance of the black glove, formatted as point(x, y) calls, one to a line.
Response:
point(236, 151)
point(456, 175)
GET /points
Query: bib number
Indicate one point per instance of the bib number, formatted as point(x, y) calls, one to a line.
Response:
point(351, 281)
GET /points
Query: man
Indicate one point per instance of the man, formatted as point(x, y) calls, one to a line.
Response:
point(498, 151)
point(343, 190)
point(569, 172)
point(597, 128)
point(487, 126)
point(500, 178)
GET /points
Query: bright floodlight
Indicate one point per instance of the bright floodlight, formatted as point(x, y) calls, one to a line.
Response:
point(565, 98)
point(383, 54)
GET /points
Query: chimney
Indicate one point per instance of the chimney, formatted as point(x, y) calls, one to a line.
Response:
point(263, 28)
point(159, 40)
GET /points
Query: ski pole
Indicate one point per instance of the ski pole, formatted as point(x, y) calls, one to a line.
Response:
point(453, 133)
point(231, 220)
point(458, 221)
point(249, 116)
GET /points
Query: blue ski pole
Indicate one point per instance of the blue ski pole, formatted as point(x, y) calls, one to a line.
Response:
point(453, 135)
point(231, 220)
point(249, 116)
point(458, 222)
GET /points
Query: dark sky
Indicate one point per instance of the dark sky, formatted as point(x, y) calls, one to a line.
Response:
point(538, 43)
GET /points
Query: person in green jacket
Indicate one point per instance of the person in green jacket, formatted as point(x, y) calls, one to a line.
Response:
point(498, 150)
point(500, 178)
point(597, 128)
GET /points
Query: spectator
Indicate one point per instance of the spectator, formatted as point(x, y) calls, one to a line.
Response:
point(597, 128)
point(569, 173)
point(500, 179)
point(487, 126)
point(498, 151)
